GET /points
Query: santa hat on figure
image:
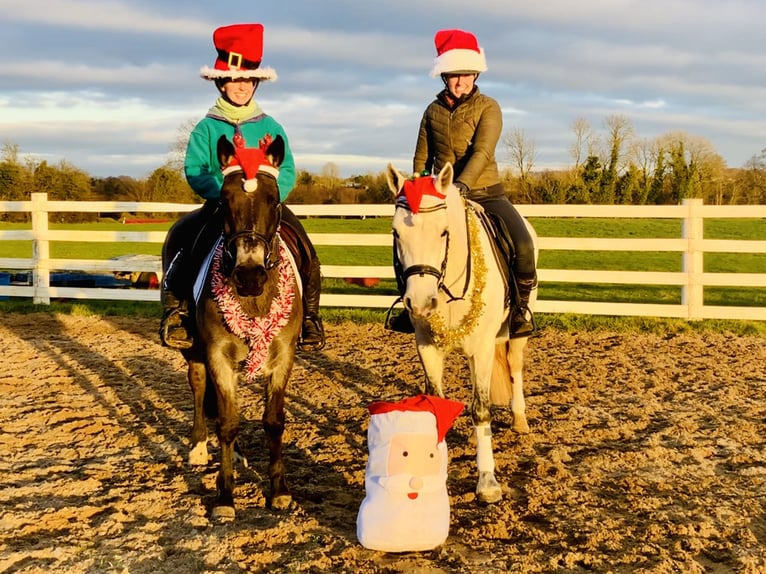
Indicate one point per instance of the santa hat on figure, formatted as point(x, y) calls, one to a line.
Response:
point(457, 52)
point(406, 507)
point(240, 51)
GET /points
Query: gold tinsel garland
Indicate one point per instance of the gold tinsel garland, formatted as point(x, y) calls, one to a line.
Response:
point(443, 336)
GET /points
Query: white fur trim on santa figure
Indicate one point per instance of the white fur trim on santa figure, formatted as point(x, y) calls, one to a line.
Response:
point(459, 60)
point(264, 74)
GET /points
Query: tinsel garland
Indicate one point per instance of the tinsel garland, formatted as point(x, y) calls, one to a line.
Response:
point(257, 332)
point(443, 336)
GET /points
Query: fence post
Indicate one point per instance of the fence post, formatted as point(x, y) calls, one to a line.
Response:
point(692, 294)
point(41, 273)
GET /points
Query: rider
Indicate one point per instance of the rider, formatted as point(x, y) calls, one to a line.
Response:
point(236, 74)
point(463, 126)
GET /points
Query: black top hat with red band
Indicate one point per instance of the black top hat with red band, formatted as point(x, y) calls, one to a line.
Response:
point(240, 50)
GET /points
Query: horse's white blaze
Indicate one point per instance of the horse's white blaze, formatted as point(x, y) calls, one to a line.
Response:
point(421, 290)
point(254, 256)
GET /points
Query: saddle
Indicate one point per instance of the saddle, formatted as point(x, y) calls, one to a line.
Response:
point(502, 248)
point(210, 233)
point(300, 250)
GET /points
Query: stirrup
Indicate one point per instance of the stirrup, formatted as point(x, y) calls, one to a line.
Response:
point(398, 322)
point(173, 330)
point(527, 328)
point(312, 334)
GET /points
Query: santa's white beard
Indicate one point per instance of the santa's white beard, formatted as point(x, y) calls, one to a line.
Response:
point(395, 518)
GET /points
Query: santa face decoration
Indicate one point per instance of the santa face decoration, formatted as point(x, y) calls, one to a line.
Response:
point(414, 465)
point(406, 507)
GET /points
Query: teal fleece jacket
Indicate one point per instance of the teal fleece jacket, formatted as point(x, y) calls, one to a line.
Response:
point(201, 163)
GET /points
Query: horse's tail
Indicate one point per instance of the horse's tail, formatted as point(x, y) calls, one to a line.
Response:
point(210, 402)
point(500, 389)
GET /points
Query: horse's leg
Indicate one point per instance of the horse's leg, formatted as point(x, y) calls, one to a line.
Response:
point(516, 364)
point(227, 428)
point(432, 359)
point(197, 377)
point(274, 426)
point(487, 489)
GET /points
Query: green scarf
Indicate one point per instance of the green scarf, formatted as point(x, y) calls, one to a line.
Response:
point(235, 113)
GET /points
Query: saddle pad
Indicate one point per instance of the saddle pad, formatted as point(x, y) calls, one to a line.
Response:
point(204, 270)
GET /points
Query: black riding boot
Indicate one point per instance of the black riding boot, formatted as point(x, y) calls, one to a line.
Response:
point(175, 326)
point(312, 335)
point(522, 322)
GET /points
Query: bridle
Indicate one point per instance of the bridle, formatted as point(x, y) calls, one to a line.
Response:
point(270, 244)
point(422, 269)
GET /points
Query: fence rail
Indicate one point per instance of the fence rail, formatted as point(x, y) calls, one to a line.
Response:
point(692, 245)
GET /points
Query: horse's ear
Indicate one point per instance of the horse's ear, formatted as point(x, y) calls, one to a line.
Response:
point(395, 180)
point(276, 151)
point(225, 151)
point(444, 178)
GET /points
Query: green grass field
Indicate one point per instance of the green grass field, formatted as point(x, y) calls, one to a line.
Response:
point(550, 227)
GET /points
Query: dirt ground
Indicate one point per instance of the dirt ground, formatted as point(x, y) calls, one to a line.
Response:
point(646, 454)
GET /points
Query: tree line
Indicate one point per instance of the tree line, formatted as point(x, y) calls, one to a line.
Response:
point(610, 166)
point(615, 166)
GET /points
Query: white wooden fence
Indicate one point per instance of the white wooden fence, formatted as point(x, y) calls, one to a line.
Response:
point(692, 279)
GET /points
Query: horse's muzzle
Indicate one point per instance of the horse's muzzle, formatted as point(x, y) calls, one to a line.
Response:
point(418, 309)
point(249, 281)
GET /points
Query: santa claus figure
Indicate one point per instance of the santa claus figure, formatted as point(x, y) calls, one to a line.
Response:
point(406, 507)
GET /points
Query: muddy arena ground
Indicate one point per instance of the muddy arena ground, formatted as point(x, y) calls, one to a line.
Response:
point(647, 453)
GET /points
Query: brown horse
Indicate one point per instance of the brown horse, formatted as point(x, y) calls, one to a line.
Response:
point(248, 318)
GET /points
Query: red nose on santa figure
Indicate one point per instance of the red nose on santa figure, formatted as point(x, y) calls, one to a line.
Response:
point(406, 507)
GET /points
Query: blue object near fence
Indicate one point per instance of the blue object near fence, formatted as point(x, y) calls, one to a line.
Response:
point(5, 279)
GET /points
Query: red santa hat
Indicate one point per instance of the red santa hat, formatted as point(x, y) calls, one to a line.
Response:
point(444, 411)
point(457, 52)
point(240, 51)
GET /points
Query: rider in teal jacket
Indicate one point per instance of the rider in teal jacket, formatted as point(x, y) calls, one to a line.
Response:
point(237, 74)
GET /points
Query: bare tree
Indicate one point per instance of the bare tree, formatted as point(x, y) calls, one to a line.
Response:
point(177, 151)
point(522, 153)
point(644, 154)
point(582, 146)
point(620, 131)
point(521, 150)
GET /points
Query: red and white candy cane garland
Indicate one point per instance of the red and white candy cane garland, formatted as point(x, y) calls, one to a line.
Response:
point(257, 332)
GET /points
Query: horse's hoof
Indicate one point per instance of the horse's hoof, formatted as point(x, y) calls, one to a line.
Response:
point(490, 496)
point(222, 514)
point(488, 490)
point(520, 424)
point(198, 455)
point(281, 502)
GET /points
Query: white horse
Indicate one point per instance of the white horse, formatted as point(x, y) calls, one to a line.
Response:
point(455, 295)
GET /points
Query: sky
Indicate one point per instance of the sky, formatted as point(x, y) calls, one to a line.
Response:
point(110, 86)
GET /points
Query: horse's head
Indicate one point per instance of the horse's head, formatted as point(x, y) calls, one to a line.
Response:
point(421, 235)
point(251, 209)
